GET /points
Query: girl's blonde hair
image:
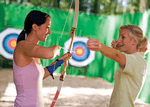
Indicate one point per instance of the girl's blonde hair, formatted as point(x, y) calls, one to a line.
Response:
point(137, 33)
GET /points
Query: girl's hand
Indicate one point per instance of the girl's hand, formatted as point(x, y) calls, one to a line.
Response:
point(66, 57)
point(115, 44)
point(94, 45)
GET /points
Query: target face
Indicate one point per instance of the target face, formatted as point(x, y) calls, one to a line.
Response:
point(9, 43)
point(81, 52)
point(8, 40)
point(82, 56)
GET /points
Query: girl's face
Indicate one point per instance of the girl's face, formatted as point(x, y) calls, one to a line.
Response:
point(44, 30)
point(125, 42)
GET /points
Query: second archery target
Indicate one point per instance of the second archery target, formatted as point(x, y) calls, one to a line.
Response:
point(81, 52)
point(82, 56)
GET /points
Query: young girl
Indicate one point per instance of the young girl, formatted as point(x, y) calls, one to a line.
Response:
point(130, 76)
point(27, 69)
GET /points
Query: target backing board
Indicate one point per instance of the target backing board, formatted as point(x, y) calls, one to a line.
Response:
point(82, 56)
point(8, 40)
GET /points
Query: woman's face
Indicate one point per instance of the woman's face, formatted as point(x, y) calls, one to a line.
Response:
point(125, 42)
point(44, 30)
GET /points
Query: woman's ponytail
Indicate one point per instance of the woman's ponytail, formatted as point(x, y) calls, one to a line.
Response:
point(21, 36)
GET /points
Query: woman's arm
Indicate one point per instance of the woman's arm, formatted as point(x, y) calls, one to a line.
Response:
point(37, 51)
point(65, 58)
point(95, 45)
point(47, 73)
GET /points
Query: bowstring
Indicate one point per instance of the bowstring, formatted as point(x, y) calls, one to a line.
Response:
point(65, 23)
point(58, 43)
point(63, 29)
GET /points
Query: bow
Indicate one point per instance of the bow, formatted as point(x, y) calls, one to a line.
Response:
point(72, 34)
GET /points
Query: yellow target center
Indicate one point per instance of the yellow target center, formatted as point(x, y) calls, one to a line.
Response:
point(13, 43)
point(79, 51)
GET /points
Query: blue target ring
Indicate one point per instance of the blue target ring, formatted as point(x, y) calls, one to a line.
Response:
point(82, 56)
point(9, 43)
point(81, 51)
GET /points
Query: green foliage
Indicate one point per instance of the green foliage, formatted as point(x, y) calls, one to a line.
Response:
point(95, 6)
point(5, 63)
point(36, 2)
point(106, 7)
point(135, 5)
point(99, 7)
point(148, 4)
point(65, 4)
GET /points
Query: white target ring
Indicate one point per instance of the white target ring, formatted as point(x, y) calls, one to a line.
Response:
point(8, 39)
point(82, 56)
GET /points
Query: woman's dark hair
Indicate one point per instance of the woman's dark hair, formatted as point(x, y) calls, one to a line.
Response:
point(34, 17)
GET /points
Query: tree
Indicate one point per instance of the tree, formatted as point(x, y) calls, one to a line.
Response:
point(115, 7)
point(95, 6)
point(65, 4)
point(100, 7)
point(11, 1)
point(143, 5)
point(82, 5)
point(134, 6)
point(148, 4)
point(56, 4)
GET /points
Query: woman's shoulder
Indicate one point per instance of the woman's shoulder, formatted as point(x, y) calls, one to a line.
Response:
point(20, 58)
point(19, 49)
point(25, 44)
point(20, 44)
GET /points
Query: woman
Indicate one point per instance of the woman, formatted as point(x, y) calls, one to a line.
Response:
point(27, 69)
point(130, 76)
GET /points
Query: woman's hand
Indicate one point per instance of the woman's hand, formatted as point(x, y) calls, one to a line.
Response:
point(56, 50)
point(66, 57)
point(94, 45)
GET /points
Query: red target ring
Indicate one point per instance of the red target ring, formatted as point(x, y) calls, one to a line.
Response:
point(79, 51)
point(82, 56)
point(12, 43)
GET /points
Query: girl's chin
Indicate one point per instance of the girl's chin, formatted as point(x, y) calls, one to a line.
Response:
point(121, 50)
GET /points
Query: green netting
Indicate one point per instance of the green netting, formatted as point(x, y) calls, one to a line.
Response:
point(104, 28)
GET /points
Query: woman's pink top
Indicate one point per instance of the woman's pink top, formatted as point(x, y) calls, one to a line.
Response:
point(28, 82)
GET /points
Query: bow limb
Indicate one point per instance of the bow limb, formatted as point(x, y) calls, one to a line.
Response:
point(72, 34)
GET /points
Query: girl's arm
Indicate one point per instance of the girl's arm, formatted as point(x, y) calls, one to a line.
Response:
point(95, 45)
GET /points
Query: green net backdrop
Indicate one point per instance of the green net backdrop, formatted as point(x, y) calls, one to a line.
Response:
point(104, 28)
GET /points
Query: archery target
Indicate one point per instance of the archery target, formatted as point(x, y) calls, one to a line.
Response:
point(81, 52)
point(9, 43)
point(8, 40)
point(82, 56)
